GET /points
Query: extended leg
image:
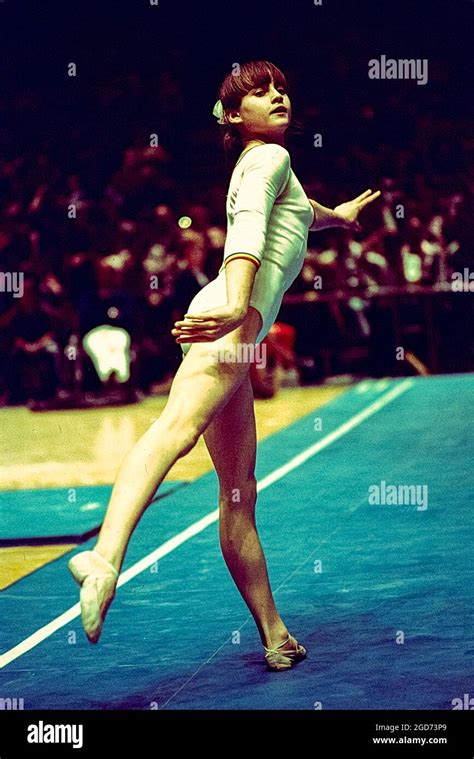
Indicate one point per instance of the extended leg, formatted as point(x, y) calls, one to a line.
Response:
point(201, 388)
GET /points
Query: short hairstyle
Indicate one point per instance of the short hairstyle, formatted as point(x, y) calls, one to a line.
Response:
point(232, 90)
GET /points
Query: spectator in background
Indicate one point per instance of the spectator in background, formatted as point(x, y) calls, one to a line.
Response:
point(192, 274)
point(214, 237)
point(8, 308)
point(156, 313)
point(129, 196)
point(34, 371)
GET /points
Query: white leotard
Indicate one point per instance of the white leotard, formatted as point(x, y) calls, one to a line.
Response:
point(268, 217)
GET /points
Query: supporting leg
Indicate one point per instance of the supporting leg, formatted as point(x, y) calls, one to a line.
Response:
point(231, 441)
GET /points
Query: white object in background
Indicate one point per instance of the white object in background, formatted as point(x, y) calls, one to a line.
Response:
point(109, 349)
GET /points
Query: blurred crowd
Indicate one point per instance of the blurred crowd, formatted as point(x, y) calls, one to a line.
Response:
point(124, 241)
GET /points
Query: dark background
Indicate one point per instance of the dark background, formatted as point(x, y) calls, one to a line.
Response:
point(144, 69)
point(196, 43)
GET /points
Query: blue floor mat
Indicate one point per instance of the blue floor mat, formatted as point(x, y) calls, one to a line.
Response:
point(56, 515)
point(381, 595)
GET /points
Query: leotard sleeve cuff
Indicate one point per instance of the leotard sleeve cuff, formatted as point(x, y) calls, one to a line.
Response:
point(247, 256)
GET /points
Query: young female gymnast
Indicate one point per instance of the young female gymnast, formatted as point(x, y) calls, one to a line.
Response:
point(268, 219)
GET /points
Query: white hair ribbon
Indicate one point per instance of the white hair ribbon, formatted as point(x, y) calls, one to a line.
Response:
point(218, 112)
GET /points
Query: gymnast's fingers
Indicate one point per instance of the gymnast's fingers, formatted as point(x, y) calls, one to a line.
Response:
point(363, 195)
point(374, 196)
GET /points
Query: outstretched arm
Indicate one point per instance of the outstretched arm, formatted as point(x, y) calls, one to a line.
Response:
point(344, 215)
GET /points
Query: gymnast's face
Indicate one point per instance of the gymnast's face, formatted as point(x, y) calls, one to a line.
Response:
point(256, 116)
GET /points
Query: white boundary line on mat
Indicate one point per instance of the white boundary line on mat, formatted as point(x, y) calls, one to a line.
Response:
point(170, 545)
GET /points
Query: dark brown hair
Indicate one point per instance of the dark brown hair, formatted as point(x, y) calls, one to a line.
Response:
point(232, 90)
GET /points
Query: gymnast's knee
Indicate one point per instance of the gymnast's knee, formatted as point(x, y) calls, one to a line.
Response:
point(234, 496)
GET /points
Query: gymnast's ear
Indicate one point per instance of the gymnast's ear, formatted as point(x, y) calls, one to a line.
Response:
point(234, 117)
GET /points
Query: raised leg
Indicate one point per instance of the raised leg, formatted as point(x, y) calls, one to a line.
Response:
point(201, 388)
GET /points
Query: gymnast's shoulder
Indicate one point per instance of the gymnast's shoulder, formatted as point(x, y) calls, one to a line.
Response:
point(270, 154)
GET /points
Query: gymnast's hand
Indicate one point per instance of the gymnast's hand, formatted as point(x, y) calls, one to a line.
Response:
point(208, 325)
point(348, 212)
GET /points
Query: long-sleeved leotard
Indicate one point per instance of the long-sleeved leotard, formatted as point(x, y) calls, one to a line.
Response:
point(268, 217)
